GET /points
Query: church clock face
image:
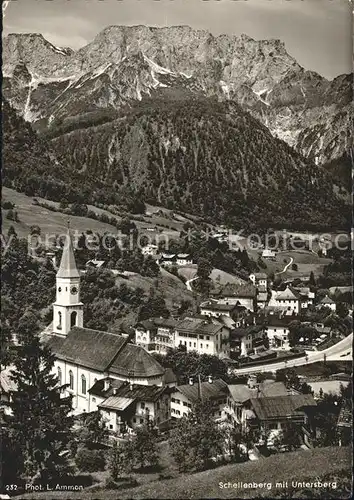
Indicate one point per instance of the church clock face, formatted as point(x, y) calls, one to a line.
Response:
point(74, 290)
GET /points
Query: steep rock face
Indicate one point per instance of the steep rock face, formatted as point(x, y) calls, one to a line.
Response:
point(126, 64)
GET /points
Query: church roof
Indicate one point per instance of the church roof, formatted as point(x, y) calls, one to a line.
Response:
point(89, 348)
point(134, 361)
point(67, 268)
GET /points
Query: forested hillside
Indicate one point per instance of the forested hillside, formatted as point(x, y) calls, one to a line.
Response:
point(204, 157)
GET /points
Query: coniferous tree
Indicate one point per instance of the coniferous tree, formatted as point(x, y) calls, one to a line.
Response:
point(40, 426)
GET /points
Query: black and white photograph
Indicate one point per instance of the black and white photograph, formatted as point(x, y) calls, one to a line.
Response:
point(176, 249)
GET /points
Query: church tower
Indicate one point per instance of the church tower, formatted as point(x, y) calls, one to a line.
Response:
point(67, 308)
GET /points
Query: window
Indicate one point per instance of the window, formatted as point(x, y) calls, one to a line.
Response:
point(142, 404)
point(94, 400)
point(273, 426)
point(185, 404)
point(111, 426)
point(134, 420)
point(71, 380)
point(190, 344)
point(173, 400)
point(83, 384)
point(59, 376)
point(201, 345)
point(195, 345)
point(206, 346)
point(73, 318)
point(59, 321)
point(141, 420)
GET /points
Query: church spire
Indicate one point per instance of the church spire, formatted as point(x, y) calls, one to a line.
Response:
point(67, 268)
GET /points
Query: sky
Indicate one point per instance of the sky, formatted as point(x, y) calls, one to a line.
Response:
point(318, 33)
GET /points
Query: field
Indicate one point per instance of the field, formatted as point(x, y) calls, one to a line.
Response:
point(306, 262)
point(171, 287)
point(299, 466)
point(217, 275)
point(56, 222)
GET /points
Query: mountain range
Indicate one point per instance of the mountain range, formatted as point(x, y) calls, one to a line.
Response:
point(186, 119)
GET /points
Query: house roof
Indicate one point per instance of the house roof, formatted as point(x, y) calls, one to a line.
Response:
point(209, 390)
point(134, 361)
point(116, 403)
point(6, 382)
point(67, 268)
point(167, 256)
point(104, 351)
point(282, 321)
point(327, 300)
point(140, 392)
point(262, 296)
point(86, 347)
point(241, 392)
point(98, 387)
point(288, 294)
point(242, 332)
point(260, 276)
point(246, 290)
point(281, 406)
point(197, 325)
point(183, 255)
point(147, 324)
point(164, 322)
point(213, 305)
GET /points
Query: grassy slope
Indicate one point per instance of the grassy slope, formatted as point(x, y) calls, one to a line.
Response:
point(171, 287)
point(300, 465)
point(56, 222)
point(217, 275)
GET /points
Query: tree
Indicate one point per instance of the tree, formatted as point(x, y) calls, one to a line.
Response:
point(93, 430)
point(121, 459)
point(40, 426)
point(196, 439)
point(294, 267)
point(312, 281)
point(145, 445)
point(290, 437)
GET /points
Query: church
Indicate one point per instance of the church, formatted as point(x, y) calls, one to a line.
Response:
point(84, 356)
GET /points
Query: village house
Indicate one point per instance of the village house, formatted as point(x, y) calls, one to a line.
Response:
point(95, 263)
point(289, 300)
point(7, 387)
point(306, 296)
point(270, 407)
point(184, 397)
point(262, 300)
point(203, 336)
point(260, 281)
point(268, 254)
point(277, 331)
point(245, 339)
point(156, 334)
point(132, 405)
point(275, 414)
point(213, 308)
point(239, 394)
point(150, 249)
point(83, 355)
point(328, 302)
point(235, 294)
point(167, 260)
point(184, 259)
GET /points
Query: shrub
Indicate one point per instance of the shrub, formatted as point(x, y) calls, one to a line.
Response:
point(90, 460)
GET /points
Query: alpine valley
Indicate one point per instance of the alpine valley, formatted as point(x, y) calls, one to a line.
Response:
point(225, 127)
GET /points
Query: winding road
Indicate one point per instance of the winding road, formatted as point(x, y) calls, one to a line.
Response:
point(286, 267)
point(188, 283)
point(340, 351)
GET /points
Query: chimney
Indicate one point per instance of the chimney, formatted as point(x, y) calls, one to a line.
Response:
point(190, 381)
point(210, 379)
point(252, 381)
point(115, 391)
point(131, 386)
point(107, 384)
